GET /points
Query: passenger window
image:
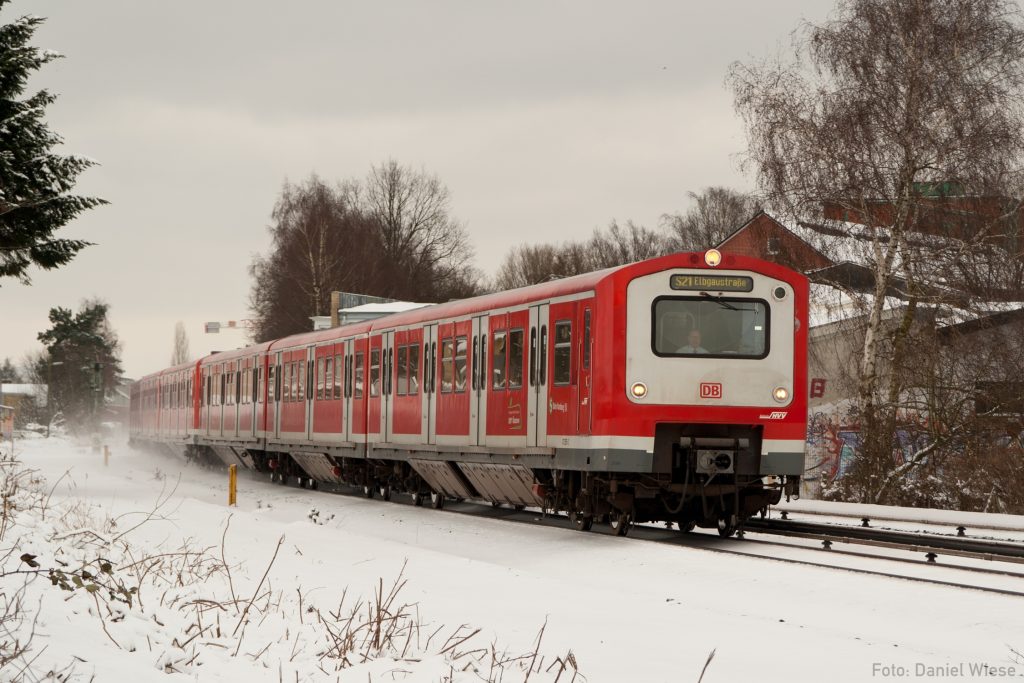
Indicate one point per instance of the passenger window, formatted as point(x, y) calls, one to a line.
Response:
point(562, 371)
point(586, 339)
point(321, 373)
point(328, 378)
point(270, 383)
point(414, 369)
point(358, 376)
point(533, 356)
point(375, 372)
point(337, 376)
point(476, 362)
point(403, 371)
point(447, 365)
point(543, 378)
point(461, 347)
point(498, 361)
point(515, 359)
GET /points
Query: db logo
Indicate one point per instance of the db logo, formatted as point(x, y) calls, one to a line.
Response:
point(710, 390)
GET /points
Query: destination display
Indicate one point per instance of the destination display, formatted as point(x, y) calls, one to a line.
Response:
point(718, 283)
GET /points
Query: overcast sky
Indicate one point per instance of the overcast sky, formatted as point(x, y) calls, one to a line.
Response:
point(544, 119)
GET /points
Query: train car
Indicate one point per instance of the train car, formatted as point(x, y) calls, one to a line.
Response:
point(672, 389)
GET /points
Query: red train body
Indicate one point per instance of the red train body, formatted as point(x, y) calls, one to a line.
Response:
point(670, 389)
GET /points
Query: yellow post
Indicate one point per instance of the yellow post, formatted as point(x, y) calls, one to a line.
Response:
point(232, 484)
point(106, 456)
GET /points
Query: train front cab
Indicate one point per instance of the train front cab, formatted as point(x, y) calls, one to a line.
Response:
point(715, 369)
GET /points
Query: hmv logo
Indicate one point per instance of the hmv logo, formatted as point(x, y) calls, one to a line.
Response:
point(710, 390)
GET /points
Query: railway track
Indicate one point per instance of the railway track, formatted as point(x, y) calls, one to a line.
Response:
point(931, 545)
point(864, 551)
point(962, 528)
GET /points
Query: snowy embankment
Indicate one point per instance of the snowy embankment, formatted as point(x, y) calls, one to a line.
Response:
point(295, 585)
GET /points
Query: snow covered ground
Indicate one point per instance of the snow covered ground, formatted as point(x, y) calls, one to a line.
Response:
point(626, 610)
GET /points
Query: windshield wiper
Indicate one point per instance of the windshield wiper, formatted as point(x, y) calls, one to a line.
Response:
point(723, 304)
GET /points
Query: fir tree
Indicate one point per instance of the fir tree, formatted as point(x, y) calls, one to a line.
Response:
point(35, 182)
point(8, 373)
point(83, 360)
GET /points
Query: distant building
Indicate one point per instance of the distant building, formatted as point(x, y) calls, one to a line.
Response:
point(358, 314)
point(16, 398)
point(965, 302)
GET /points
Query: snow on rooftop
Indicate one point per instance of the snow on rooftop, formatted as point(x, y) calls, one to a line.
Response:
point(22, 389)
point(390, 307)
point(830, 304)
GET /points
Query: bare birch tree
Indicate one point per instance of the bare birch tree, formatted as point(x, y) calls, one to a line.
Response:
point(181, 353)
point(878, 113)
point(321, 242)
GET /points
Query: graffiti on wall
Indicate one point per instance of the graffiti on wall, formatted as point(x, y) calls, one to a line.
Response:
point(834, 439)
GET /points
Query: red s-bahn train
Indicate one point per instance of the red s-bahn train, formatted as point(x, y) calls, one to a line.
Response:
point(672, 389)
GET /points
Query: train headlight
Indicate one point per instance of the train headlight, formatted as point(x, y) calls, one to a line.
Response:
point(639, 390)
point(712, 257)
point(781, 394)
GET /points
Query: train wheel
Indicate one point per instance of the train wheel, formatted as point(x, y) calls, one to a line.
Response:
point(283, 480)
point(367, 491)
point(495, 504)
point(687, 527)
point(518, 508)
point(385, 492)
point(436, 500)
point(580, 521)
point(273, 477)
point(302, 482)
point(417, 499)
point(727, 526)
point(620, 523)
point(314, 485)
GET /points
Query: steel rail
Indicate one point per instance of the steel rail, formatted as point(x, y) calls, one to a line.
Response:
point(866, 519)
point(897, 540)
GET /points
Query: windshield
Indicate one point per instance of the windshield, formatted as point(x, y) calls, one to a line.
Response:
point(710, 325)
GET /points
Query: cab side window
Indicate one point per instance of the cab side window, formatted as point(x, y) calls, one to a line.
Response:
point(562, 371)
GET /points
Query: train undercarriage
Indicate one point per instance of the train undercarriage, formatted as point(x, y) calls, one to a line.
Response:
point(702, 484)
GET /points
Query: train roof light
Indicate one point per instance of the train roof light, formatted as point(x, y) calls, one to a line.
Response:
point(712, 257)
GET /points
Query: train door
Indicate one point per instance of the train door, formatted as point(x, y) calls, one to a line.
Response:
point(429, 383)
point(478, 385)
point(218, 408)
point(387, 384)
point(583, 358)
point(557, 335)
point(375, 386)
point(346, 350)
point(358, 387)
point(507, 401)
point(538, 393)
point(452, 394)
point(309, 368)
point(274, 399)
point(251, 387)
